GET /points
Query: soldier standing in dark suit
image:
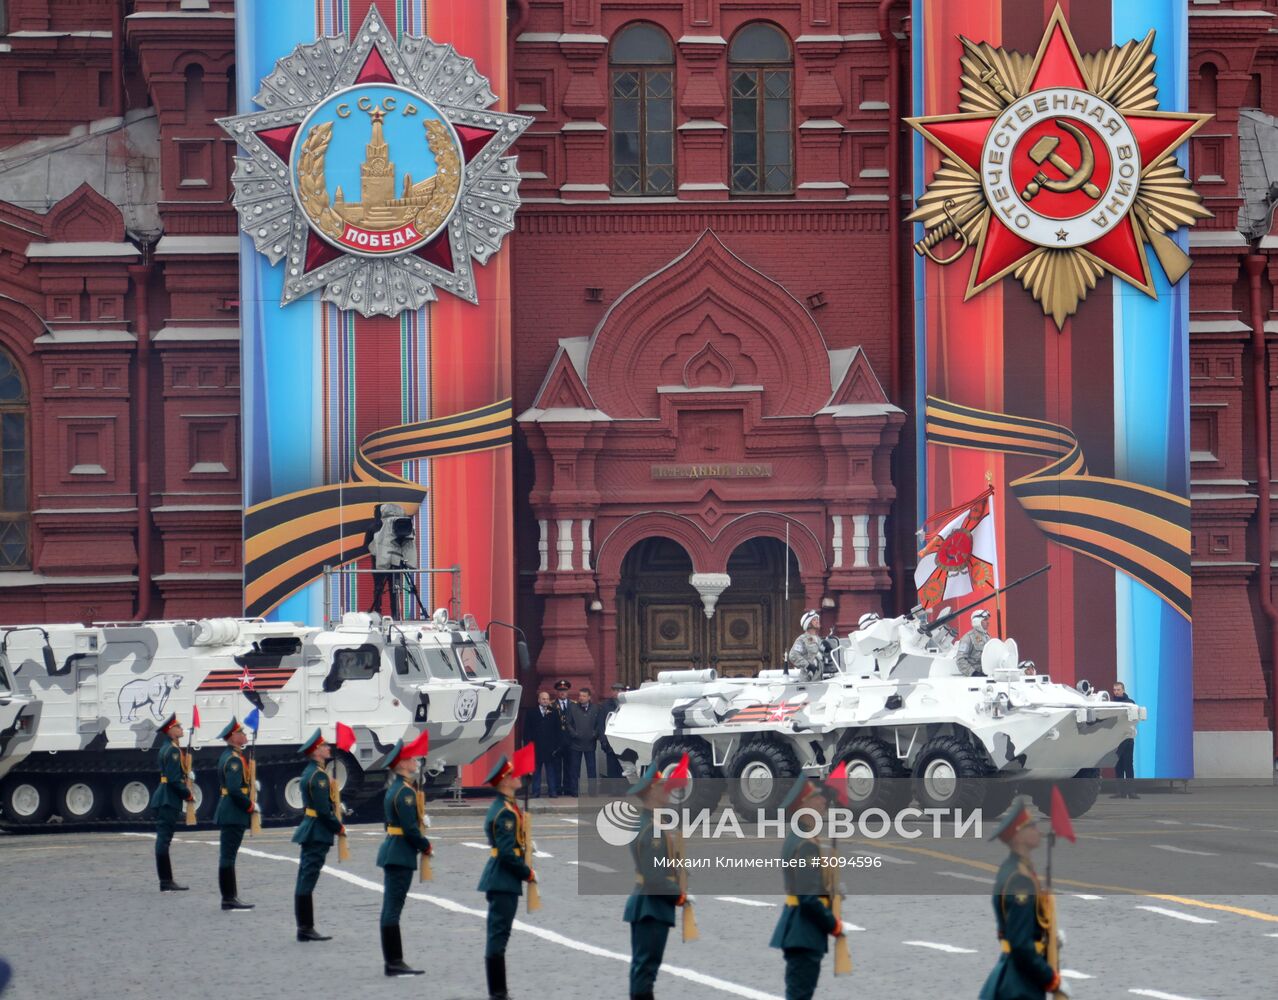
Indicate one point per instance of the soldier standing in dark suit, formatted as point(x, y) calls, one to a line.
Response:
point(505, 874)
point(167, 800)
point(543, 729)
point(562, 705)
point(398, 855)
point(315, 833)
point(583, 737)
point(612, 763)
point(234, 807)
point(1022, 972)
point(650, 909)
point(808, 918)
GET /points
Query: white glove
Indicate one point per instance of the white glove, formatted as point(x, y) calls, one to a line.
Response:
point(1060, 938)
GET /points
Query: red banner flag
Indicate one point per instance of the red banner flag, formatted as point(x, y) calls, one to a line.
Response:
point(962, 555)
point(838, 783)
point(418, 747)
point(1061, 824)
point(195, 717)
point(523, 761)
point(345, 737)
point(678, 777)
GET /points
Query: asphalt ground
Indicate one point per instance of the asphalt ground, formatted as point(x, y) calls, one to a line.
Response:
point(82, 917)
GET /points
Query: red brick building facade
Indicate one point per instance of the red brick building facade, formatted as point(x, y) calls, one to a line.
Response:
point(709, 357)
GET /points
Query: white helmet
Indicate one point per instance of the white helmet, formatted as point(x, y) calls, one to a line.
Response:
point(809, 617)
point(980, 615)
point(866, 620)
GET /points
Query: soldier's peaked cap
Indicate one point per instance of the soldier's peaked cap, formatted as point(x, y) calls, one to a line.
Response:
point(563, 686)
point(808, 618)
point(169, 723)
point(312, 741)
point(389, 758)
point(231, 727)
point(646, 780)
point(1017, 815)
point(502, 768)
point(799, 791)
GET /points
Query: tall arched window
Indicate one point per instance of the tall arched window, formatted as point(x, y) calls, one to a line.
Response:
point(762, 75)
point(14, 511)
point(642, 62)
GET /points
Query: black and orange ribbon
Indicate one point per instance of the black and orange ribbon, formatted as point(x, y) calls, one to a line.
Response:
point(288, 540)
point(1138, 530)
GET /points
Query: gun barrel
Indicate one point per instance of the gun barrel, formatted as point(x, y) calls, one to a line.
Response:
point(931, 627)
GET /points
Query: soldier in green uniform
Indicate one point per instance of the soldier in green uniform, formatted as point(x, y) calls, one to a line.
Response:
point(505, 874)
point(1022, 972)
point(398, 855)
point(167, 800)
point(315, 833)
point(650, 909)
point(808, 918)
point(234, 807)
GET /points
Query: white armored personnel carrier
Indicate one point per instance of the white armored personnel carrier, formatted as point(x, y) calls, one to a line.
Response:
point(98, 693)
point(893, 704)
point(17, 724)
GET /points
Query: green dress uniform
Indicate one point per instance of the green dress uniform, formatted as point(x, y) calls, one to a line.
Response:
point(398, 857)
point(650, 909)
point(1022, 971)
point(320, 824)
point(166, 802)
point(234, 806)
point(502, 881)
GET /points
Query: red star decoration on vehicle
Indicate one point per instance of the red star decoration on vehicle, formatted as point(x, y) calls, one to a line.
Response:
point(962, 137)
point(247, 681)
point(280, 142)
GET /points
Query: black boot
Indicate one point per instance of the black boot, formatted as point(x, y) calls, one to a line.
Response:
point(304, 910)
point(164, 868)
point(495, 967)
point(230, 894)
point(393, 953)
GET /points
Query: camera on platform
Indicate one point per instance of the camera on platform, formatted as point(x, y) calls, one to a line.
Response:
point(394, 543)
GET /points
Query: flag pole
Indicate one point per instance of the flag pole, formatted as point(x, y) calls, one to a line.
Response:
point(255, 817)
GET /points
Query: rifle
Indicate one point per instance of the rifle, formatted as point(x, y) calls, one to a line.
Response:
point(335, 794)
point(255, 817)
point(842, 953)
point(689, 919)
point(1048, 906)
point(931, 627)
point(185, 757)
point(526, 844)
point(424, 872)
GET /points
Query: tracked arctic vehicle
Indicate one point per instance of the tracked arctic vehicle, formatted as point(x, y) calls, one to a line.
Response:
point(98, 693)
point(893, 704)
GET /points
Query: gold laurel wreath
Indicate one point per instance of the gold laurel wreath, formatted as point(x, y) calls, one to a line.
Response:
point(447, 177)
point(1124, 77)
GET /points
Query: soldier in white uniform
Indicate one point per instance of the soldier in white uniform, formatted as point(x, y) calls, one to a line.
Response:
point(973, 644)
point(806, 654)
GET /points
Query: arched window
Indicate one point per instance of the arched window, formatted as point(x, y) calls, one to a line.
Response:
point(194, 91)
point(14, 512)
point(642, 60)
point(762, 75)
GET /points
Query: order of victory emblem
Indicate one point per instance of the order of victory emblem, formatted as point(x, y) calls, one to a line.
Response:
point(1058, 169)
point(375, 170)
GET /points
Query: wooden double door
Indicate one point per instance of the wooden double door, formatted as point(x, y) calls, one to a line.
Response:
point(663, 625)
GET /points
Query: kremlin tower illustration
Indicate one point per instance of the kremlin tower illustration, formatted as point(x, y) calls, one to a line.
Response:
point(378, 209)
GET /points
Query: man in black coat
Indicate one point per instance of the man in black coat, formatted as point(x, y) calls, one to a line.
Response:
point(544, 729)
point(561, 705)
point(612, 763)
point(583, 737)
point(1123, 770)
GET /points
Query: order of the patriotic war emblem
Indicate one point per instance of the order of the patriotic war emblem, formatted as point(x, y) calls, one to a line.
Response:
point(1057, 170)
point(375, 170)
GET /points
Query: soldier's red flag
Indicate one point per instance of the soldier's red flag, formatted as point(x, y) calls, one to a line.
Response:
point(418, 747)
point(678, 777)
point(195, 717)
point(838, 783)
point(962, 555)
point(1061, 824)
point(345, 737)
point(523, 761)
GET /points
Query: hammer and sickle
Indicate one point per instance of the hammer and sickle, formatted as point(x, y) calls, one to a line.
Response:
point(1075, 177)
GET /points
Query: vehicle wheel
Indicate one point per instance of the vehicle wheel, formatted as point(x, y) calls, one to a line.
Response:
point(876, 778)
point(998, 797)
point(207, 792)
point(702, 790)
point(81, 800)
point(286, 795)
point(131, 799)
point(26, 800)
point(1079, 792)
point(949, 774)
point(761, 776)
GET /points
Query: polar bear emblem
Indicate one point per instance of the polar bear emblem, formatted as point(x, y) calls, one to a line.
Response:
point(146, 692)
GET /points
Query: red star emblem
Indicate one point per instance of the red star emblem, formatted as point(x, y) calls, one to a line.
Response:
point(247, 681)
point(1054, 150)
point(280, 142)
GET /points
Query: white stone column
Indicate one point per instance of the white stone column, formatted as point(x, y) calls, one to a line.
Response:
point(710, 586)
point(563, 544)
point(882, 540)
point(543, 545)
point(861, 539)
point(836, 539)
point(585, 545)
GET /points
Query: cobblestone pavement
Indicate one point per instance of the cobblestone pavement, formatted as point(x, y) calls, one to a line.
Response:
point(81, 917)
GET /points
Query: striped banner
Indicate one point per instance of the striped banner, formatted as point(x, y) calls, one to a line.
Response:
point(1138, 530)
point(290, 539)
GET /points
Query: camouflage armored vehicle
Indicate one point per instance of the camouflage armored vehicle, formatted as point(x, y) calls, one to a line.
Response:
point(17, 724)
point(893, 704)
point(101, 691)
